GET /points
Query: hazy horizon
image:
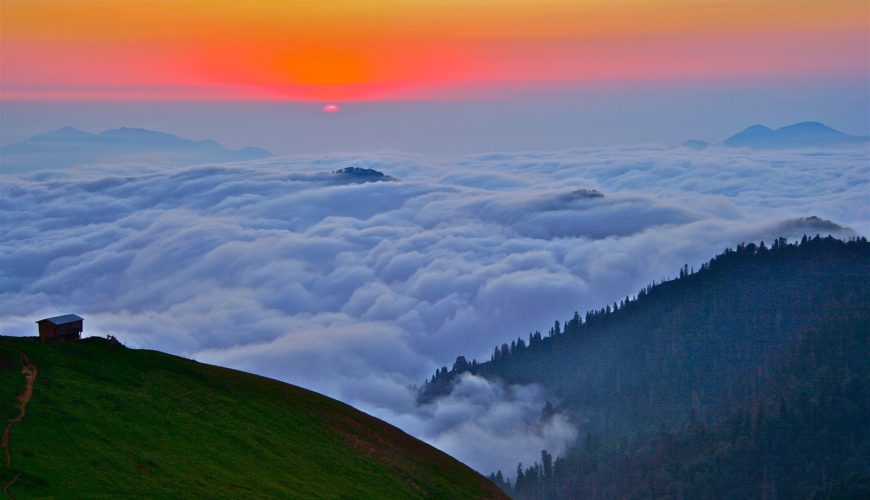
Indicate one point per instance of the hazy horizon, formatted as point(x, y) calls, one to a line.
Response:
point(621, 116)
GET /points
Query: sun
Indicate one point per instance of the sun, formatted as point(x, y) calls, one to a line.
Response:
point(331, 108)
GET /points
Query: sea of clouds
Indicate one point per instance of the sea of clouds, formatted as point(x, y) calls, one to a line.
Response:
point(361, 289)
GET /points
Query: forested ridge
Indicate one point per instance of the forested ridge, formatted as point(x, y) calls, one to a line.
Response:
point(747, 378)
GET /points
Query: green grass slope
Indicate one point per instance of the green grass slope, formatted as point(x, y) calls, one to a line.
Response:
point(105, 421)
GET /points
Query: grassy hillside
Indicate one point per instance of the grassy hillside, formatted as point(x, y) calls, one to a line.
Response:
point(108, 421)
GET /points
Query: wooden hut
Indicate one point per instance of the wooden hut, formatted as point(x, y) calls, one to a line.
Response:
point(66, 327)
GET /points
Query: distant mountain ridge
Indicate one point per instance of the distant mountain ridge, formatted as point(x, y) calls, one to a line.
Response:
point(68, 146)
point(799, 135)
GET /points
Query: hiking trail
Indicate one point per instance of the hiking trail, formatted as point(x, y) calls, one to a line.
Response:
point(30, 371)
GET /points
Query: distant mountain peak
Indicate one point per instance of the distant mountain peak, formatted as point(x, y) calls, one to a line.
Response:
point(810, 124)
point(810, 127)
point(138, 133)
point(799, 135)
point(758, 128)
point(62, 133)
point(68, 146)
point(129, 130)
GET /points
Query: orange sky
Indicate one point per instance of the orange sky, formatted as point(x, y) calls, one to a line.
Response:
point(395, 49)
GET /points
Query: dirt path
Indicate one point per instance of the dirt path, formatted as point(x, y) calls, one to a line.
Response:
point(30, 372)
point(9, 485)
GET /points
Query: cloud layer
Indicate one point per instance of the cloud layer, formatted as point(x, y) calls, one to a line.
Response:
point(358, 290)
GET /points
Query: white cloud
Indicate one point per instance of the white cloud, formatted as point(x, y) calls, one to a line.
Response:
point(358, 290)
point(490, 425)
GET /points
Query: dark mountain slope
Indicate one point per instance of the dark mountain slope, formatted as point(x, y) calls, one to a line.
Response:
point(105, 421)
point(702, 347)
point(802, 434)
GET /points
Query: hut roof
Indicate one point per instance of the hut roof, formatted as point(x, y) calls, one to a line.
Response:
point(62, 320)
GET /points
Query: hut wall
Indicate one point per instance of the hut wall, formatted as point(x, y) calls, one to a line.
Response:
point(69, 331)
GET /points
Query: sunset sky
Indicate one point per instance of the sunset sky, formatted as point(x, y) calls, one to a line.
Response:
point(399, 50)
point(535, 158)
